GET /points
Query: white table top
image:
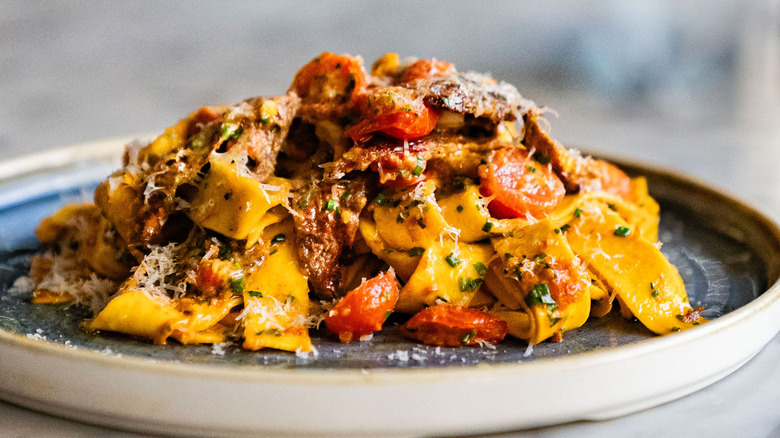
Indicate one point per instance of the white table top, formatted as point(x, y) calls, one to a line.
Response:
point(80, 71)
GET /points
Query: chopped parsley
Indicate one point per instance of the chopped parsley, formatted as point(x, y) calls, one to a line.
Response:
point(452, 260)
point(488, 226)
point(416, 251)
point(480, 268)
point(331, 205)
point(237, 284)
point(278, 238)
point(577, 212)
point(622, 231)
point(468, 336)
point(539, 294)
point(255, 294)
point(230, 131)
point(468, 284)
point(418, 168)
point(459, 208)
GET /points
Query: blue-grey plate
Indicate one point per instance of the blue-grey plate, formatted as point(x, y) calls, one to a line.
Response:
point(727, 253)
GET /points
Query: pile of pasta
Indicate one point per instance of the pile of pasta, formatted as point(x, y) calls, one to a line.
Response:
point(414, 189)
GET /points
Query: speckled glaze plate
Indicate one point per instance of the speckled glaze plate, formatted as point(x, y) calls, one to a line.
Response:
point(727, 253)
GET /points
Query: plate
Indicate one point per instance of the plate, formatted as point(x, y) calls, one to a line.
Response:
point(727, 253)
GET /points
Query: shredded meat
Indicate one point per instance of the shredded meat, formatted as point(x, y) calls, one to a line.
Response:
point(566, 163)
point(473, 93)
point(456, 153)
point(327, 224)
point(578, 173)
point(262, 136)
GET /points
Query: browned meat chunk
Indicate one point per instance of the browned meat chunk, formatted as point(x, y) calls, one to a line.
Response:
point(473, 93)
point(327, 224)
point(393, 158)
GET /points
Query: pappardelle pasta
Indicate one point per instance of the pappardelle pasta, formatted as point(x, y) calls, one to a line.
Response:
point(414, 189)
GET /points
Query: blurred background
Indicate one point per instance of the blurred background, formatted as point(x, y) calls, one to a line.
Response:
point(691, 85)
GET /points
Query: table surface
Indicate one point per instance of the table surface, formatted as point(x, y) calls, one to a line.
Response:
point(80, 71)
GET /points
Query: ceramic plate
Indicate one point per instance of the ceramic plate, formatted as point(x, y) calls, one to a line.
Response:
point(727, 253)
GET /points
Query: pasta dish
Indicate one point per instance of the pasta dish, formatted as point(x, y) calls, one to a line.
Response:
point(412, 188)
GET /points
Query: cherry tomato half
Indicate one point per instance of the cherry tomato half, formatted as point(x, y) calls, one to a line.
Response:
point(611, 178)
point(520, 186)
point(330, 78)
point(426, 68)
point(363, 310)
point(397, 112)
point(446, 325)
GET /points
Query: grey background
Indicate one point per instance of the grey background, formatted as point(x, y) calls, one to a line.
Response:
point(689, 85)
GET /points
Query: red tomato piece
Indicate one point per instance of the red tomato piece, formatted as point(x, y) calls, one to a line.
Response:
point(397, 112)
point(426, 68)
point(520, 185)
point(363, 310)
point(331, 78)
point(612, 179)
point(446, 325)
point(566, 282)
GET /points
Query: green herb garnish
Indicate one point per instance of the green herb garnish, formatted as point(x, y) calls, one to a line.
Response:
point(237, 284)
point(452, 260)
point(622, 231)
point(418, 168)
point(539, 294)
point(416, 251)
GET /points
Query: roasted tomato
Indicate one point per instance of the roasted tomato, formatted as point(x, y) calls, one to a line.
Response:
point(397, 112)
point(453, 326)
point(330, 78)
point(519, 185)
point(363, 310)
point(426, 68)
point(611, 179)
point(565, 281)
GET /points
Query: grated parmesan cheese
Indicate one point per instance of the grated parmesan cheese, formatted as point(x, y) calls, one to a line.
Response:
point(154, 275)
